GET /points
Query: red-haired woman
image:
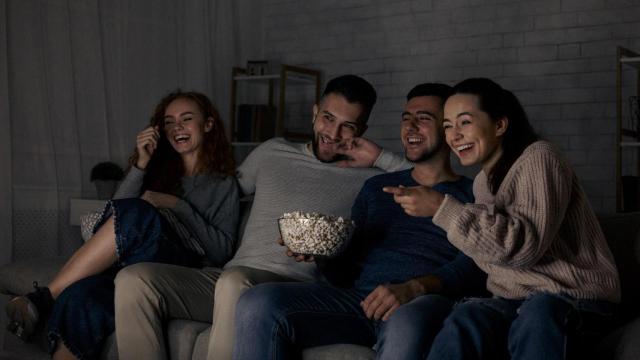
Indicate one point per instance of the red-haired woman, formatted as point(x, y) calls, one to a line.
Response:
point(178, 205)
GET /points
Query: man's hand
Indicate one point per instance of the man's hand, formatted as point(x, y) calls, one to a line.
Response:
point(361, 152)
point(416, 200)
point(296, 257)
point(385, 299)
point(160, 200)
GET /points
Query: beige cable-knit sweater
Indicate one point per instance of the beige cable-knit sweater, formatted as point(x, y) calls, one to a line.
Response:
point(537, 234)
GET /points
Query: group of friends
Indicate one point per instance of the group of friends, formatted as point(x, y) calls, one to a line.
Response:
point(512, 264)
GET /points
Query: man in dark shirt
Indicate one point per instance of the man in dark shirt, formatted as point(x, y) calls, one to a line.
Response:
point(400, 275)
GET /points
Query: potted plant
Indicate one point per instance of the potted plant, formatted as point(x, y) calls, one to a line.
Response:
point(105, 176)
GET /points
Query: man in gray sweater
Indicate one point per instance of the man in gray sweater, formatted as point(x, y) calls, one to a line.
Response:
point(283, 177)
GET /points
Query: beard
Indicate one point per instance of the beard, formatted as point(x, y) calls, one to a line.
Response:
point(315, 146)
point(427, 153)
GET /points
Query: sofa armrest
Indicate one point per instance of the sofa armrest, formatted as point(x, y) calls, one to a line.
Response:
point(622, 344)
point(622, 232)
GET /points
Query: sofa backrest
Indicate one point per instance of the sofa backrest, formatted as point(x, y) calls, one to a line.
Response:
point(623, 235)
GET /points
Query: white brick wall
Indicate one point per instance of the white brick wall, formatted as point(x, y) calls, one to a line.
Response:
point(558, 56)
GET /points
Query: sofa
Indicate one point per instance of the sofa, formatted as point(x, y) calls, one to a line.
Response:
point(189, 339)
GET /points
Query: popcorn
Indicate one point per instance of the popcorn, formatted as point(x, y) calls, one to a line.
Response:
point(314, 233)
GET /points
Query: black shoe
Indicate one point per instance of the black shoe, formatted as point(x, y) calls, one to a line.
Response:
point(24, 312)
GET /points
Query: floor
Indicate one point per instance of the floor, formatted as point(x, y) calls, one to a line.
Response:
point(11, 348)
point(10, 355)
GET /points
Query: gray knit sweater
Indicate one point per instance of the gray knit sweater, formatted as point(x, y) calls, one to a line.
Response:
point(287, 177)
point(209, 208)
point(537, 234)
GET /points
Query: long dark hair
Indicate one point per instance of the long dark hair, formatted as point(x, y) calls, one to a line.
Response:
point(498, 103)
point(165, 168)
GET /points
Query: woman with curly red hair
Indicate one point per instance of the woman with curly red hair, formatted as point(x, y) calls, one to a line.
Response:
point(178, 205)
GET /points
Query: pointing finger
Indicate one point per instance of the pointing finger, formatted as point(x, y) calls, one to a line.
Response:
point(394, 190)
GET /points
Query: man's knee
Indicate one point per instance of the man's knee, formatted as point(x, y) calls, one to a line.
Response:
point(410, 330)
point(260, 303)
point(423, 312)
point(135, 282)
point(233, 282)
point(462, 313)
point(263, 298)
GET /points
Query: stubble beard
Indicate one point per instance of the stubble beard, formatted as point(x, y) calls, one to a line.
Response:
point(315, 146)
point(428, 153)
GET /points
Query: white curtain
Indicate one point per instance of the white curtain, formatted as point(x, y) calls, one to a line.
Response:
point(5, 145)
point(80, 78)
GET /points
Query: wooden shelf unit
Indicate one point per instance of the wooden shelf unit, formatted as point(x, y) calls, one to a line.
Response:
point(287, 73)
point(625, 57)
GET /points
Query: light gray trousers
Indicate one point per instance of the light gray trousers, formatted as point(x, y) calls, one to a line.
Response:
point(148, 295)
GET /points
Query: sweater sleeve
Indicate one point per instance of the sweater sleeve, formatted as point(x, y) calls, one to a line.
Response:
point(216, 227)
point(131, 185)
point(390, 161)
point(530, 207)
point(247, 173)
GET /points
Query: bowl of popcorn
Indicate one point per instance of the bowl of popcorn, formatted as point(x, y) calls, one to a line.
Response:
point(315, 234)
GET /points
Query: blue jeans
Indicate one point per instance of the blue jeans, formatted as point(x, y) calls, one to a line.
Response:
point(277, 321)
point(83, 315)
point(543, 326)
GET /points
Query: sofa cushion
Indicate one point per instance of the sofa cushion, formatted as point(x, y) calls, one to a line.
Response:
point(110, 348)
point(182, 335)
point(328, 352)
point(622, 344)
point(339, 352)
point(17, 277)
point(201, 346)
point(88, 222)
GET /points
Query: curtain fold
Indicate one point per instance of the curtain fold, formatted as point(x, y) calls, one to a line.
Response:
point(6, 243)
point(79, 79)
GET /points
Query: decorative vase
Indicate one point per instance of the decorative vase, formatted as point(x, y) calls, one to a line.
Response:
point(105, 188)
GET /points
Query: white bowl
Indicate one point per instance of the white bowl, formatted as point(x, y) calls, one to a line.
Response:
point(315, 234)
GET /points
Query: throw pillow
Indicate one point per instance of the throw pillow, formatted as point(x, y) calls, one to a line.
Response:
point(88, 222)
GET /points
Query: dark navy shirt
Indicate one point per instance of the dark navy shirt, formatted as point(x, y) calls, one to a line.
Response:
point(398, 247)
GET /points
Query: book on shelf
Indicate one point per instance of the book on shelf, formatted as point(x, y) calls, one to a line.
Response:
point(255, 123)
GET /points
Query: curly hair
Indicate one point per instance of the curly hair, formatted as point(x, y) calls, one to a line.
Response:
point(165, 169)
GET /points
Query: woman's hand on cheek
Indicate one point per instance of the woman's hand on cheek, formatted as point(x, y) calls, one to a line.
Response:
point(146, 143)
point(416, 200)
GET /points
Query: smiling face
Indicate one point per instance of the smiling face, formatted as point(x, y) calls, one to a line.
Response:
point(185, 126)
point(421, 129)
point(334, 121)
point(471, 133)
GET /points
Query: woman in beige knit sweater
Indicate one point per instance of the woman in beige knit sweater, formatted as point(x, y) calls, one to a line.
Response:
point(552, 276)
